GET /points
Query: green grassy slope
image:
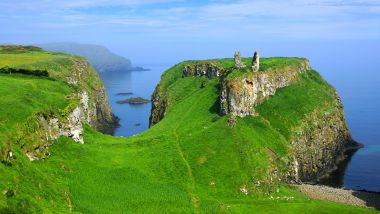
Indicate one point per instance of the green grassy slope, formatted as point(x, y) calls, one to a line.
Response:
point(190, 162)
point(22, 97)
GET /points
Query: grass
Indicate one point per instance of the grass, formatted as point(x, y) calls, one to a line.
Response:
point(190, 162)
point(22, 98)
point(285, 110)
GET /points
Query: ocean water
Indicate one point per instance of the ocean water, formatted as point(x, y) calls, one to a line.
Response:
point(357, 79)
point(134, 119)
point(355, 75)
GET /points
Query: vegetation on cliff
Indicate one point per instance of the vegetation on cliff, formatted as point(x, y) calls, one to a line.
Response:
point(189, 162)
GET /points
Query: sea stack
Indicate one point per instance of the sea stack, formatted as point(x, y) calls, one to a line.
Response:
point(256, 61)
point(238, 63)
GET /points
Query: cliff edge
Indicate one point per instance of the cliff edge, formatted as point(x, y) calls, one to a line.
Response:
point(84, 102)
point(309, 116)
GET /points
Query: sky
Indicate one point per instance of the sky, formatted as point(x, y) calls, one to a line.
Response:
point(173, 30)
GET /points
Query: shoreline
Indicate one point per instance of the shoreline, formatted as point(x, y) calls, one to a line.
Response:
point(347, 196)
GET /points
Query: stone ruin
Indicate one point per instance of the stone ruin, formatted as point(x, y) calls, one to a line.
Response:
point(238, 63)
point(256, 61)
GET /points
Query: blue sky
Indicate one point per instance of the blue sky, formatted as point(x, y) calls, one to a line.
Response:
point(180, 29)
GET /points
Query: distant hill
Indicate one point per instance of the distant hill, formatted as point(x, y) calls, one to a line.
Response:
point(100, 57)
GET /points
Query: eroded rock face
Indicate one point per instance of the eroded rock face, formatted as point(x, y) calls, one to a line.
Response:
point(256, 61)
point(100, 114)
point(240, 95)
point(159, 107)
point(318, 144)
point(71, 126)
point(204, 69)
point(237, 59)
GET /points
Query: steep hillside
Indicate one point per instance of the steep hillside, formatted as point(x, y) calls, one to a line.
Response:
point(54, 96)
point(194, 160)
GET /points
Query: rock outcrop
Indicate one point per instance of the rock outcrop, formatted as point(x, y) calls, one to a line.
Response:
point(240, 95)
point(319, 144)
point(207, 69)
point(160, 105)
point(100, 114)
point(237, 59)
point(88, 105)
point(256, 61)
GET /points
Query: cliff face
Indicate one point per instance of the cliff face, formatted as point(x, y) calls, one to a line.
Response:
point(319, 143)
point(240, 95)
point(88, 105)
point(100, 114)
point(159, 106)
point(316, 144)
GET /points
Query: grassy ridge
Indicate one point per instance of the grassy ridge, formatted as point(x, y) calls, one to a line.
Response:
point(190, 162)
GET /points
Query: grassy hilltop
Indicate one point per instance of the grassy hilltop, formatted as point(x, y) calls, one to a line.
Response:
point(190, 162)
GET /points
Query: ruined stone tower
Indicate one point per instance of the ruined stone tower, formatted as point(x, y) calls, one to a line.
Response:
point(238, 63)
point(256, 61)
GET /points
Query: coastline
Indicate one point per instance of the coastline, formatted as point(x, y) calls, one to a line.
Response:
point(360, 198)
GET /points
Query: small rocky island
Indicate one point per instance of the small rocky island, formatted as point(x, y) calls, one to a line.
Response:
point(134, 101)
point(124, 94)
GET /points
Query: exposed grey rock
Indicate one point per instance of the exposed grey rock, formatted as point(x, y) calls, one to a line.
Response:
point(256, 61)
point(239, 96)
point(203, 69)
point(238, 63)
point(31, 156)
point(100, 114)
point(318, 144)
point(160, 104)
point(71, 126)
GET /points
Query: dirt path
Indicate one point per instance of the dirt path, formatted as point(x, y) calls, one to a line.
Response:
point(358, 198)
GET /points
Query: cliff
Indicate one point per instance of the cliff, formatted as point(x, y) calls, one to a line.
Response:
point(241, 93)
point(317, 136)
point(85, 99)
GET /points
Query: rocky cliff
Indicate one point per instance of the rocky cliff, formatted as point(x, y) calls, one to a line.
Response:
point(240, 95)
point(319, 143)
point(87, 103)
point(316, 144)
point(99, 114)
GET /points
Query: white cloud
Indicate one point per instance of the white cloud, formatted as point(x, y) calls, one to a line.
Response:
point(220, 19)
